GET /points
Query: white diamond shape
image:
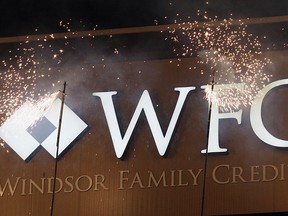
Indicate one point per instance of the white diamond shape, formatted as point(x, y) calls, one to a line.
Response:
point(72, 126)
point(17, 137)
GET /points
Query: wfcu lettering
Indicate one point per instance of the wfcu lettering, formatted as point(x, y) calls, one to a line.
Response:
point(162, 140)
point(15, 136)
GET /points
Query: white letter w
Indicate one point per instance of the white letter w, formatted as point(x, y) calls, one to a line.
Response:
point(145, 104)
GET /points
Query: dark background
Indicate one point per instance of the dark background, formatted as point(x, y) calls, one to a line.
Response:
point(28, 17)
point(21, 17)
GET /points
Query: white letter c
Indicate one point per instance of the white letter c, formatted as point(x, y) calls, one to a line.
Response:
point(256, 118)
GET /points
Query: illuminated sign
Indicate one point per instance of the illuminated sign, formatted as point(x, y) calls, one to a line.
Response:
point(162, 140)
point(25, 140)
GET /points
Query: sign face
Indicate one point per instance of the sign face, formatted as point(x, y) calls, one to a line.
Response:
point(24, 141)
point(162, 141)
point(145, 150)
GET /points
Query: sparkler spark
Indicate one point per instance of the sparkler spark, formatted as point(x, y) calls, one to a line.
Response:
point(234, 54)
point(20, 72)
point(22, 69)
point(29, 113)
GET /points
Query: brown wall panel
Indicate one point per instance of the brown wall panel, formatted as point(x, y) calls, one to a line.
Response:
point(92, 157)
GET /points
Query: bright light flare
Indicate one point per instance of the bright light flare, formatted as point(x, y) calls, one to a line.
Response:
point(29, 113)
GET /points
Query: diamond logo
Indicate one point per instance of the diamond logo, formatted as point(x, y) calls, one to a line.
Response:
point(42, 129)
point(25, 140)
